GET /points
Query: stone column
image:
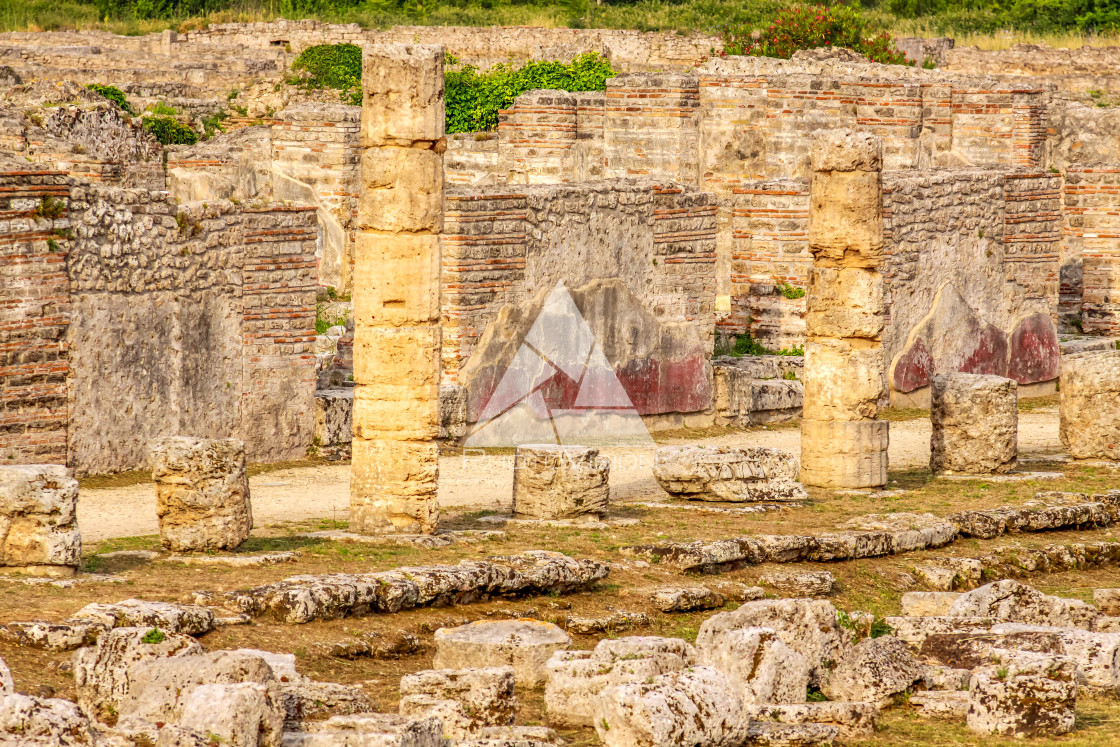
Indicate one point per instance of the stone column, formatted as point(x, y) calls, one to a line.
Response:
point(396, 292)
point(842, 443)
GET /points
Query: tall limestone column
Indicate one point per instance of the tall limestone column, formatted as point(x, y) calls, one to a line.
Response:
point(842, 444)
point(397, 337)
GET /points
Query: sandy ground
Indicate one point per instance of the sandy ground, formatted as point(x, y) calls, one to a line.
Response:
point(486, 482)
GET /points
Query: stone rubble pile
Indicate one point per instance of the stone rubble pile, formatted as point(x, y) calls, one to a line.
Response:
point(728, 474)
point(301, 599)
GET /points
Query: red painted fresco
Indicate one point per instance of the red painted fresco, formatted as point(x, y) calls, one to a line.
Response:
point(1035, 354)
point(914, 368)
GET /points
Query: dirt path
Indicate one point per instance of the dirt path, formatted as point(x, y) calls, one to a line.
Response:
point(322, 492)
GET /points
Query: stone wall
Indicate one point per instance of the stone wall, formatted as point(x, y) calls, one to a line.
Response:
point(637, 257)
point(34, 314)
point(1074, 70)
point(126, 318)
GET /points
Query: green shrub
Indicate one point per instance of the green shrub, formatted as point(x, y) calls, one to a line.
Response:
point(331, 66)
point(161, 109)
point(114, 94)
point(170, 132)
point(811, 27)
point(790, 291)
point(155, 635)
point(474, 98)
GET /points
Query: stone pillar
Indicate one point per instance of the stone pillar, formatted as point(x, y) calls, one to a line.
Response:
point(202, 493)
point(975, 421)
point(396, 292)
point(842, 443)
point(38, 504)
point(1089, 404)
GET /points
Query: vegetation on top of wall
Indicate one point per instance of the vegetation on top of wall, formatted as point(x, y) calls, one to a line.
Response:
point(474, 98)
point(170, 132)
point(746, 345)
point(336, 66)
point(811, 27)
point(114, 94)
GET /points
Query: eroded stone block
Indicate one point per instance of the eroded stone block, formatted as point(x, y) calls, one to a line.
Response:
point(560, 482)
point(975, 424)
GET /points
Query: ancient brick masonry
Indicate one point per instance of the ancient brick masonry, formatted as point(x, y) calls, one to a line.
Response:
point(397, 339)
point(842, 444)
point(34, 316)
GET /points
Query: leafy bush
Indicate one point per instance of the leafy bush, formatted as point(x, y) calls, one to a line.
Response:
point(114, 94)
point(811, 27)
point(170, 132)
point(331, 66)
point(473, 98)
point(155, 635)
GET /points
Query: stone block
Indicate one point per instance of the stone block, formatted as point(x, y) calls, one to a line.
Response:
point(1097, 655)
point(854, 720)
point(843, 381)
point(845, 302)
point(947, 704)
point(239, 715)
point(402, 94)
point(393, 486)
point(1089, 408)
point(724, 473)
point(465, 699)
point(799, 583)
point(202, 493)
point(927, 603)
point(1024, 695)
point(844, 454)
point(697, 707)
point(846, 150)
point(26, 721)
point(396, 280)
point(190, 619)
point(686, 599)
point(334, 416)
point(38, 521)
point(762, 668)
point(524, 645)
point(1107, 601)
point(400, 411)
point(402, 190)
point(560, 482)
point(874, 671)
point(397, 355)
point(369, 730)
point(846, 218)
point(975, 424)
point(1012, 601)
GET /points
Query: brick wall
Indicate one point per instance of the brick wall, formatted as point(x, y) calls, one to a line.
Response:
point(651, 127)
point(1092, 229)
point(34, 315)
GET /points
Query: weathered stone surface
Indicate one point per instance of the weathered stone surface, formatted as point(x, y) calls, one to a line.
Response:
point(240, 715)
point(525, 645)
point(6, 685)
point(1107, 601)
point(950, 574)
point(1011, 601)
point(845, 453)
point(1097, 655)
point(65, 636)
point(759, 664)
point(369, 730)
point(403, 94)
point(466, 700)
point(927, 603)
point(853, 720)
point(303, 700)
point(304, 598)
point(40, 722)
point(686, 599)
point(577, 678)
point(724, 473)
point(614, 622)
point(1024, 695)
point(1032, 517)
point(874, 671)
point(1089, 409)
point(808, 627)
point(948, 704)
point(946, 678)
point(560, 482)
point(189, 619)
point(698, 706)
point(908, 531)
point(202, 493)
point(769, 734)
point(101, 673)
point(38, 521)
point(800, 583)
point(975, 424)
point(131, 732)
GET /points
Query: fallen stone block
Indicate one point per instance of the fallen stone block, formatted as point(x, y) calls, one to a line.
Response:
point(560, 482)
point(766, 734)
point(132, 732)
point(304, 700)
point(577, 678)
point(236, 561)
point(994, 522)
point(852, 720)
point(927, 603)
point(240, 715)
point(188, 619)
point(42, 722)
point(686, 599)
point(369, 730)
point(946, 678)
point(759, 664)
point(202, 493)
point(975, 420)
point(1097, 655)
point(1011, 601)
point(724, 473)
point(950, 574)
point(38, 504)
point(1107, 601)
point(800, 583)
point(524, 645)
point(1023, 695)
point(101, 673)
point(696, 707)
point(908, 531)
point(875, 671)
point(615, 622)
point(509, 736)
point(466, 700)
point(808, 626)
point(64, 636)
point(913, 631)
point(948, 704)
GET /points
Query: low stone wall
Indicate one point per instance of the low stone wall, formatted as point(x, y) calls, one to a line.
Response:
point(1075, 70)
